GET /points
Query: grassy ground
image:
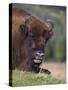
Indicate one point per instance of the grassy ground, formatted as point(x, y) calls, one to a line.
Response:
point(23, 78)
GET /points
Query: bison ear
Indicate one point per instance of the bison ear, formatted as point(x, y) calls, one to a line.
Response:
point(23, 29)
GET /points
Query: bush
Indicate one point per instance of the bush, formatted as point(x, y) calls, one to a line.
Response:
point(48, 51)
point(60, 49)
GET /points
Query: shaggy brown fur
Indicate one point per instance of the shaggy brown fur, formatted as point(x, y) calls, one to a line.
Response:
point(28, 33)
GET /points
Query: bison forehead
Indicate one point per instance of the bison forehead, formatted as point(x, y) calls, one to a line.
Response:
point(39, 24)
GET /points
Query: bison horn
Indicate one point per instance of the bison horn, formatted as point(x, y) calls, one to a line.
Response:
point(26, 26)
point(50, 24)
point(28, 20)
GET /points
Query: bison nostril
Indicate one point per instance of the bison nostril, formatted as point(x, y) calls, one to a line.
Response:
point(40, 54)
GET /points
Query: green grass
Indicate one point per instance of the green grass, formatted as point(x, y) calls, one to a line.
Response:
point(23, 78)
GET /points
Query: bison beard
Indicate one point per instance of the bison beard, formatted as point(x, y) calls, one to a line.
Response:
point(29, 37)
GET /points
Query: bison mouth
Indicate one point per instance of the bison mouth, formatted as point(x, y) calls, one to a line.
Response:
point(38, 57)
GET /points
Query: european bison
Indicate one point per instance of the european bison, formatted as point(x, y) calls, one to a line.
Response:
point(29, 37)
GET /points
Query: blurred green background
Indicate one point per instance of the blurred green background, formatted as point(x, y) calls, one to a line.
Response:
point(56, 46)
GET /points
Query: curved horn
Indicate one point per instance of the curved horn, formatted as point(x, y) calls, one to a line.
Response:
point(50, 24)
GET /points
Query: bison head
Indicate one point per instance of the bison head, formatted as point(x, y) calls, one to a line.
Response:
point(36, 34)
